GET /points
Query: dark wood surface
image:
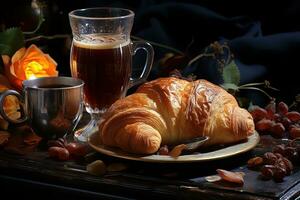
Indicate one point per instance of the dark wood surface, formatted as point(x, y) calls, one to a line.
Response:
point(37, 174)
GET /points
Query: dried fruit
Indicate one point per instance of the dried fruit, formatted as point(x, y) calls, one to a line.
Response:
point(279, 149)
point(97, 168)
point(254, 162)
point(282, 108)
point(258, 113)
point(288, 165)
point(164, 150)
point(278, 155)
point(77, 149)
point(267, 172)
point(58, 153)
point(291, 153)
point(278, 174)
point(271, 109)
point(294, 132)
point(264, 125)
point(270, 158)
point(278, 130)
point(233, 177)
point(294, 116)
point(177, 150)
point(268, 121)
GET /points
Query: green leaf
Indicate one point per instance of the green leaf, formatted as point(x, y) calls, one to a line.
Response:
point(11, 40)
point(231, 73)
point(230, 86)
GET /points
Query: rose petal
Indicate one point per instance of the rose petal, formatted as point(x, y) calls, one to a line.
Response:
point(18, 55)
point(5, 59)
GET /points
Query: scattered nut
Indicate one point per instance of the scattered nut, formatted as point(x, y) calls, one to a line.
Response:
point(213, 178)
point(97, 168)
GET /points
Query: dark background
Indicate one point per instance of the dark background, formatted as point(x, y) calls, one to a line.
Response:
point(263, 35)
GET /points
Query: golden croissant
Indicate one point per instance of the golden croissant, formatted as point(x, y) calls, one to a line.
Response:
point(170, 111)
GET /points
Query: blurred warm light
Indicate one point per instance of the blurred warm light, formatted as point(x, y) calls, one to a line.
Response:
point(35, 70)
point(28, 63)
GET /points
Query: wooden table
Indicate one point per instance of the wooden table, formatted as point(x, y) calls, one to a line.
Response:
point(36, 174)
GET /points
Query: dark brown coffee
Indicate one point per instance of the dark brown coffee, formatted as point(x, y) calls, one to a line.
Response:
point(54, 86)
point(104, 66)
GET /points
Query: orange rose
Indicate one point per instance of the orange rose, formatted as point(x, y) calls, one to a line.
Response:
point(28, 63)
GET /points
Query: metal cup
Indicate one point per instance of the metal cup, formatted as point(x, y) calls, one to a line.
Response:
point(52, 106)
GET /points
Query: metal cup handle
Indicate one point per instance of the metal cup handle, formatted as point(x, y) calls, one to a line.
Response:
point(2, 112)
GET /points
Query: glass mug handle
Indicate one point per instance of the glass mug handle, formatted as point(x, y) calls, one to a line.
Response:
point(137, 45)
point(2, 112)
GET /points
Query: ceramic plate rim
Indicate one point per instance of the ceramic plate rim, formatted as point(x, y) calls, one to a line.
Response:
point(225, 152)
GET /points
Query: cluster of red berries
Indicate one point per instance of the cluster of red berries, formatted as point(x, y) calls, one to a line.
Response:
point(276, 120)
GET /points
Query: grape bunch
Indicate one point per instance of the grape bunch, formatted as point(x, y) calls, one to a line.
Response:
point(276, 120)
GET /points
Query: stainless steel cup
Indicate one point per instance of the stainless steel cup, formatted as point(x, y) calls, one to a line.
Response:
point(52, 106)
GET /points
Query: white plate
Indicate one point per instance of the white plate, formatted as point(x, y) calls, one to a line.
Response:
point(225, 152)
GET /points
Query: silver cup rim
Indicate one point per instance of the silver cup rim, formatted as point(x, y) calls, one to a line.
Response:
point(72, 83)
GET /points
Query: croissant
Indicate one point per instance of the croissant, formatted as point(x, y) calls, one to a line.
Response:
point(170, 111)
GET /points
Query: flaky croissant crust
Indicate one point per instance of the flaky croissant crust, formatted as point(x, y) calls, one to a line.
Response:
point(172, 110)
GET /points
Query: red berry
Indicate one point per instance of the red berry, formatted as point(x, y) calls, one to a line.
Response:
point(258, 113)
point(282, 108)
point(277, 117)
point(294, 116)
point(264, 125)
point(278, 130)
point(286, 122)
point(294, 132)
point(271, 109)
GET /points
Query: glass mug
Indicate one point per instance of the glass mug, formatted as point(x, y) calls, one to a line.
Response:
point(101, 55)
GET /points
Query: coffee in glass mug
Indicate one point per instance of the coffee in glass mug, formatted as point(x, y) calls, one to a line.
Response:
point(101, 55)
point(105, 67)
